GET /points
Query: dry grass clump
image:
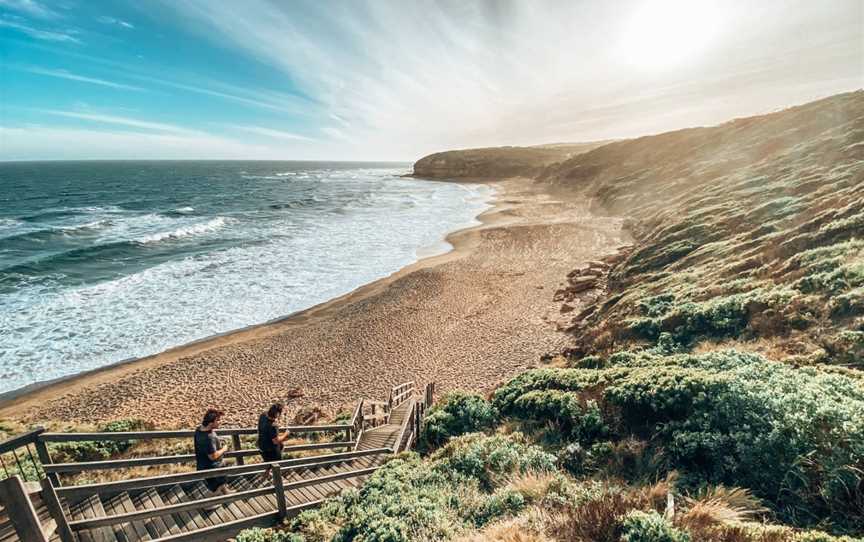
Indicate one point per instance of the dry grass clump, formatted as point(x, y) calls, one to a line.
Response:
point(517, 529)
point(720, 505)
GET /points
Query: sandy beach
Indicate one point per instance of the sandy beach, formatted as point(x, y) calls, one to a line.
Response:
point(465, 319)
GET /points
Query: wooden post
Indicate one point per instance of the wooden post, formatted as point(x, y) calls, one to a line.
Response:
point(20, 510)
point(235, 441)
point(45, 457)
point(280, 491)
point(49, 497)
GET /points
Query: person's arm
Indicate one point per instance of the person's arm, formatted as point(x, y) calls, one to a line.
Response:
point(283, 437)
point(215, 455)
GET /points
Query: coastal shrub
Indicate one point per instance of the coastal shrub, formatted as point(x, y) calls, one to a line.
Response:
point(267, 535)
point(455, 414)
point(650, 526)
point(577, 417)
point(717, 317)
point(463, 485)
point(69, 452)
point(490, 459)
point(586, 362)
point(793, 436)
point(572, 458)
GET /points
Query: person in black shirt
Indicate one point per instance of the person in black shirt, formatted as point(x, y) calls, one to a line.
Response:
point(269, 440)
point(209, 451)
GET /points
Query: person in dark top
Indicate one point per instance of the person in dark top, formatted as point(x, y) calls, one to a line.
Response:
point(269, 439)
point(209, 451)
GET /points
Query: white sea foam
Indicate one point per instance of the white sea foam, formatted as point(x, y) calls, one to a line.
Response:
point(188, 230)
point(48, 329)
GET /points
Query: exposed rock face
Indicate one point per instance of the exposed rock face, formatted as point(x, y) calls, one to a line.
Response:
point(497, 162)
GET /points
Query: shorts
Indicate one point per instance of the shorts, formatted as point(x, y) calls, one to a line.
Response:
point(271, 455)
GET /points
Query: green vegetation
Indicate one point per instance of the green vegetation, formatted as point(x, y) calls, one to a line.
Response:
point(793, 436)
point(750, 230)
point(455, 414)
point(97, 450)
point(463, 485)
point(747, 449)
point(639, 526)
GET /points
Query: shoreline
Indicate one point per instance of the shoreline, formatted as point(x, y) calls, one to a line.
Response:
point(467, 318)
point(11, 402)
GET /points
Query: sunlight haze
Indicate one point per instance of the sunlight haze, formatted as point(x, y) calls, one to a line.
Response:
point(391, 80)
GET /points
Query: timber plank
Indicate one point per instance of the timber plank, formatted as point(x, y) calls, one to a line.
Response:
point(125, 504)
point(186, 521)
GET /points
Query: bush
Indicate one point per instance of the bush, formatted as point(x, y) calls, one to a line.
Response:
point(793, 436)
point(489, 460)
point(641, 526)
point(97, 450)
point(461, 486)
point(456, 414)
point(267, 535)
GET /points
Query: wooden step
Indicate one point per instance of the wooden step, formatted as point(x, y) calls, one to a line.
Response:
point(220, 514)
point(88, 508)
point(158, 526)
point(187, 521)
point(124, 532)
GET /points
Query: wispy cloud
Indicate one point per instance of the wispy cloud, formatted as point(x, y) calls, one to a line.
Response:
point(269, 132)
point(112, 20)
point(39, 34)
point(123, 121)
point(259, 98)
point(509, 72)
point(29, 7)
point(64, 74)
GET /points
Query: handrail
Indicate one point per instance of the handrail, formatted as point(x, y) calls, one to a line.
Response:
point(183, 433)
point(166, 479)
point(184, 458)
point(12, 445)
point(18, 441)
point(397, 446)
point(138, 515)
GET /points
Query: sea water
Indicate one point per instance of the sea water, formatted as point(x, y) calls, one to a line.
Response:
point(106, 261)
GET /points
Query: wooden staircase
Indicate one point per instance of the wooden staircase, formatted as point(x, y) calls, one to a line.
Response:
point(177, 507)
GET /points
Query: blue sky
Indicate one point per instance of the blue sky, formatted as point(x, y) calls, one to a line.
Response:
point(396, 80)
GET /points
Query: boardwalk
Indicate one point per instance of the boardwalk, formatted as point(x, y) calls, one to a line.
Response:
point(179, 507)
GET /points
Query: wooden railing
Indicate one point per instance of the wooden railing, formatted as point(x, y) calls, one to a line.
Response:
point(367, 415)
point(16, 455)
point(412, 425)
point(399, 394)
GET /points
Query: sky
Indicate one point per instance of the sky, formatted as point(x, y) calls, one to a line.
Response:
point(395, 80)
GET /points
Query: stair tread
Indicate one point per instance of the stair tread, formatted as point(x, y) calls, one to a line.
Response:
point(124, 532)
point(88, 508)
point(160, 525)
point(187, 521)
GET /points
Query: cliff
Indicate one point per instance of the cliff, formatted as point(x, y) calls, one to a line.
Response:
point(497, 161)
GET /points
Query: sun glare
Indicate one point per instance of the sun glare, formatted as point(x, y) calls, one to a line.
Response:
point(666, 33)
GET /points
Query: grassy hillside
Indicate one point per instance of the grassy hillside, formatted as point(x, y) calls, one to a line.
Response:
point(750, 230)
point(714, 390)
point(655, 447)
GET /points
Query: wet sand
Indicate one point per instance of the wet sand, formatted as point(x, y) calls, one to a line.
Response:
point(466, 319)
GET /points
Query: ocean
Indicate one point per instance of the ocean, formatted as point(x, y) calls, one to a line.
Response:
point(106, 261)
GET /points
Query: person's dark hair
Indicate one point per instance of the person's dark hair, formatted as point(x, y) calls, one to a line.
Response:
point(275, 410)
point(211, 416)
